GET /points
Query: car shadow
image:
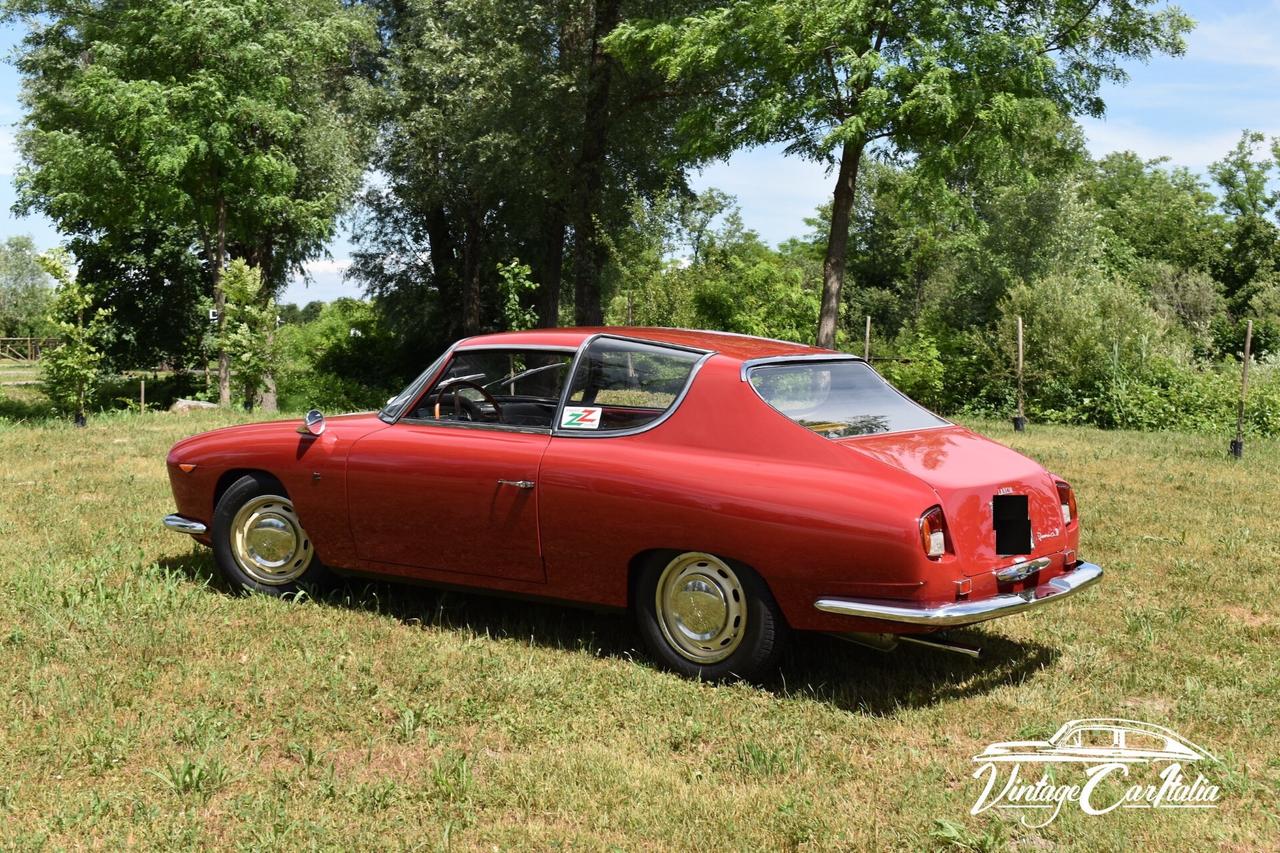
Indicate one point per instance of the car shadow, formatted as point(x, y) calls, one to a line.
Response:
point(817, 668)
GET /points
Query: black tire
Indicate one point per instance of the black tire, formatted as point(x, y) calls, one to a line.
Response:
point(757, 647)
point(264, 499)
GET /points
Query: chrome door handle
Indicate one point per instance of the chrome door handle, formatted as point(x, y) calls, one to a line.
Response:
point(519, 484)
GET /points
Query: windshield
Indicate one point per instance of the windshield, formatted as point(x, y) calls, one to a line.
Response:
point(391, 410)
point(839, 399)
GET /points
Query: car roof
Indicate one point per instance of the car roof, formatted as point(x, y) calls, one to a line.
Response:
point(740, 347)
point(1118, 723)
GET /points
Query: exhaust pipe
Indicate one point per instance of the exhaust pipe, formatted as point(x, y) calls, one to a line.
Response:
point(967, 651)
point(889, 642)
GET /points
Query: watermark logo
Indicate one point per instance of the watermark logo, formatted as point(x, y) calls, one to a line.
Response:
point(1100, 765)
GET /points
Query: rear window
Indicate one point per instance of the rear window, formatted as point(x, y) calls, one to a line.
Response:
point(839, 399)
point(623, 385)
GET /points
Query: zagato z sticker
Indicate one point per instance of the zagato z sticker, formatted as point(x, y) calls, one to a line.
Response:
point(580, 417)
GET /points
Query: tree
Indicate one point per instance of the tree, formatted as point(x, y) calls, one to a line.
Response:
point(1252, 242)
point(513, 281)
point(75, 368)
point(508, 132)
point(219, 122)
point(25, 292)
point(940, 82)
point(1161, 214)
point(248, 329)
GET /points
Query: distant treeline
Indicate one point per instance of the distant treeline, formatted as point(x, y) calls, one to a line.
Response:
point(527, 161)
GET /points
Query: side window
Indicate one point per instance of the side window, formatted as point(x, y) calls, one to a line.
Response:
point(502, 387)
point(622, 385)
point(1098, 738)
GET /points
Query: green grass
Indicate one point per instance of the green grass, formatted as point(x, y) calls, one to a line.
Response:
point(145, 706)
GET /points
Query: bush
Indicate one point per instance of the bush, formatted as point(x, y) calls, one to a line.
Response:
point(341, 361)
point(75, 368)
point(921, 374)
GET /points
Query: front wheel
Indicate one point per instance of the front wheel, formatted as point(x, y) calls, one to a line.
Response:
point(708, 618)
point(259, 543)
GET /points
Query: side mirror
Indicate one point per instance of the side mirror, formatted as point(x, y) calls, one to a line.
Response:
point(312, 423)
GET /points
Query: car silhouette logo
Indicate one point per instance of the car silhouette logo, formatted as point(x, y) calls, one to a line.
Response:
point(1101, 740)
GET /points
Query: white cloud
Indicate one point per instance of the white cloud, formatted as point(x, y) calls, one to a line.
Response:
point(325, 282)
point(327, 266)
point(1192, 147)
point(1249, 38)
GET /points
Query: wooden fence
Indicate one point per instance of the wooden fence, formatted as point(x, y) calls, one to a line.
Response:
point(25, 349)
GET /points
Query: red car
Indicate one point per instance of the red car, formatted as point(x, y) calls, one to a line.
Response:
point(725, 489)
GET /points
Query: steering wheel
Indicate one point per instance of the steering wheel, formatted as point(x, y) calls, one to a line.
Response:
point(460, 402)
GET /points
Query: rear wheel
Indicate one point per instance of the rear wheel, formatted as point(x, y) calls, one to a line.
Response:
point(708, 618)
point(259, 543)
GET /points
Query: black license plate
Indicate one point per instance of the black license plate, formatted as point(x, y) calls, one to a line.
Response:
point(1012, 521)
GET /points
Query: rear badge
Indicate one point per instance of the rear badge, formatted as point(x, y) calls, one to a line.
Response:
point(1012, 521)
point(580, 417)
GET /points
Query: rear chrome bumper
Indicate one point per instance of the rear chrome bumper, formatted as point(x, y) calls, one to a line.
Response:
point(966, 612)
point(180, 524)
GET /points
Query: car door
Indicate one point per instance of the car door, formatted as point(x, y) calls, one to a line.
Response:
point(439, 492)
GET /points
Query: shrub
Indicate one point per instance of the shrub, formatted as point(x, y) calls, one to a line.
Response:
point(921, 374)
point(341, 361)
point(75, 368)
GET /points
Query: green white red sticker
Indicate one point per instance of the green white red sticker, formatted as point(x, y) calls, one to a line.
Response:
point(580, 417)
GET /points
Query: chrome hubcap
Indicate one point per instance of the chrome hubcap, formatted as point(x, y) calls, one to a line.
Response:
point(268, 541)
point(701, 607)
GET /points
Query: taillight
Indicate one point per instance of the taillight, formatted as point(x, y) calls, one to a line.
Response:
point(933, 533)
point(1067, 498)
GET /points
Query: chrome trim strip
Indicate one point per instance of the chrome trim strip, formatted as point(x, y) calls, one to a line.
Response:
point(556, 432)
point(1018, 571)
point(649, 341)
point(785, 359)
point(464, 347)
point(178, 524)
point(966, 612)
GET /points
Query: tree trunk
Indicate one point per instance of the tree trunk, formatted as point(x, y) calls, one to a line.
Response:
point(220, 304)
point(267, 398)
point(274, 280)
point(444, 274)
point(590, 252)
point(838, 243)
point(471, 280)
point(552, 272)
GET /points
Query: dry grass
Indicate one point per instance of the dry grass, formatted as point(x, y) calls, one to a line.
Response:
point(147, 707)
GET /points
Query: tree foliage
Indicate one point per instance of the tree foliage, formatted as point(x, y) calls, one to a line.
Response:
point(942, 82)
point(247, 333)
point(506, 132)
point(214, 129)
point(25, 291)
point(74, 369)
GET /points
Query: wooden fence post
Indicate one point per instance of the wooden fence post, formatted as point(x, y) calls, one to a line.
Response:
point(1237, 444)
point(1020, 419)
point(866, 342)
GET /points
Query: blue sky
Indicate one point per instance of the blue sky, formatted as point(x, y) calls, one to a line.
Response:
point(1190, 109)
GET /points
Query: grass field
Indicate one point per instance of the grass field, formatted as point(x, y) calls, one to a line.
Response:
point(147, 707)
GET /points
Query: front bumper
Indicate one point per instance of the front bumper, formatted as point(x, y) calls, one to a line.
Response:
point(181, 524)
point(966, 612)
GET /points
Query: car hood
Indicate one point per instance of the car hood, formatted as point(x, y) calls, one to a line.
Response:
point(349, 427)
point(966, 470)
